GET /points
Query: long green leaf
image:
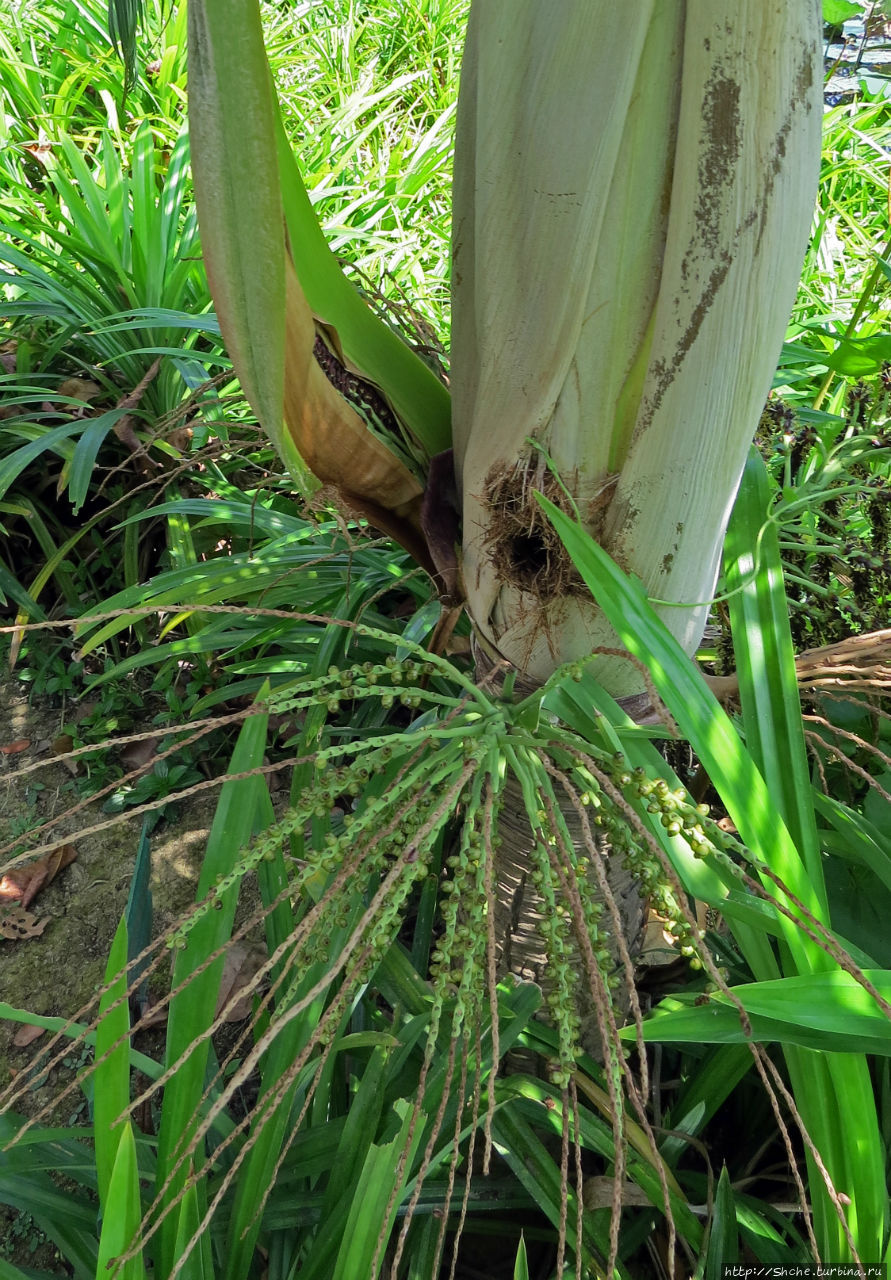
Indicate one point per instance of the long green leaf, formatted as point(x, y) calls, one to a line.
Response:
point(11, 587)
point(702, 1093)
point(123, 1214)
point(833, 1093)
point(765, 664)
point(521, 1265)
point(235, 169)
point(69, 1219)
point(588, 709)
point(354, 1148)
point(112, 1075)
point(192, 1007)
point(69, 1223)
point(139, 911)
point(140, 1061)
point(80, 469)
point(417, 395)
point(861, 839)
point(199, 1264)
point(367, 1221)
point(14, 463)
point(270, 1131)
point(723, 1242)
point(536, 1170)
point(818, 1082)
point(9, 1272)
point(829, 1011)
point(62, 1150)
point(700, 717)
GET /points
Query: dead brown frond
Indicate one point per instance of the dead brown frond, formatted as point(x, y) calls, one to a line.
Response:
point(835, 746)
point(861, 664)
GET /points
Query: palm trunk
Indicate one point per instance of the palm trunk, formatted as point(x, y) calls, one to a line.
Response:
point(632, 196)
point(633, 193)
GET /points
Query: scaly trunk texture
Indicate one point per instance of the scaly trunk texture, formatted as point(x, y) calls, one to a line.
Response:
point(518, 911)
point(519, 940)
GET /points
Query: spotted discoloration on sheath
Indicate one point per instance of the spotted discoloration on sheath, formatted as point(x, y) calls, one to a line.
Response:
point(718, 162)
point(363, 395)
point(718, 157)
point(800, 100)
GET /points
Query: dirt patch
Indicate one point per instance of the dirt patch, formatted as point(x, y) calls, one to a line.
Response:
point(59, 971)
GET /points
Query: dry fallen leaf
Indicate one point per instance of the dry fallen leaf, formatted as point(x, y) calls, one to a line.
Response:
point(658, 947)
point(23, 883)
point(27, 1035)
point(180, 439)
point(62, 746)
point(80, 389)
point(153, 1015)
point(240, 967)
point(16, 923)
point(135, 754)
point(597, 1193)
point(123, 428)
point(13, 748)
point(41, 151)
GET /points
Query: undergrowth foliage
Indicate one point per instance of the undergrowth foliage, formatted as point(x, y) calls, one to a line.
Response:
point(405, 808)
point(834, 513)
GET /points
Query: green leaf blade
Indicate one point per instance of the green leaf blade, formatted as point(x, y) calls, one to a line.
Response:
point(112, 1076)
point(235, 168)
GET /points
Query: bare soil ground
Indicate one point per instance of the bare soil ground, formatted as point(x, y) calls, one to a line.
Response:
point(59, 971)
